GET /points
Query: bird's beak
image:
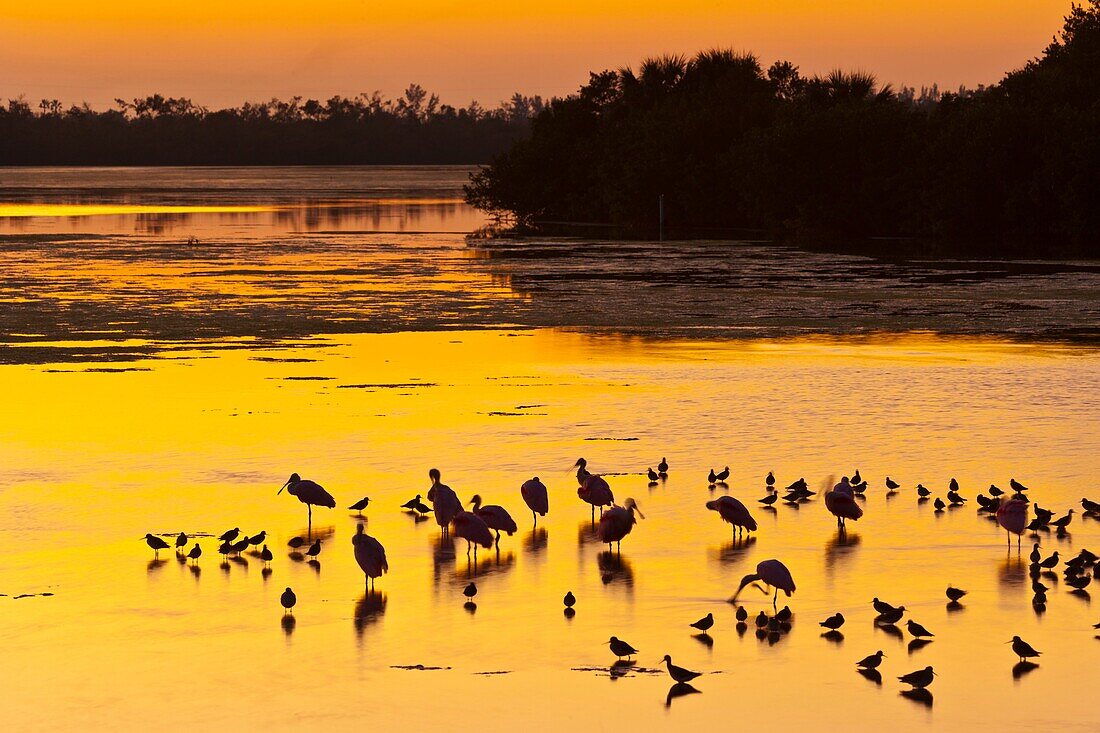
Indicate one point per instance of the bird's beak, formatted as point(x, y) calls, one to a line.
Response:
point(284, 486)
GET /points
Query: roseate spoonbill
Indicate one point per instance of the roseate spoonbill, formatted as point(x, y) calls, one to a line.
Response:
point(616, 523)
point(769, 499)
point(295, 542)
point(723, 474)
point(535, 497)
point(891, 484)
point(156, 544)
point(570, 600)
point(258, 539)
point(1022, 649)
point(704, 624)
point(470, 591)
point(1012, 516)
point(196, 553)
point(734, 512)
point(620, 648)
point(954, 594)
point(230, 535)
point(596, 492)
point(495, 517)
point(916, 629)
point(662, 467)
point(679, 673)
point(360, 505)
point(314, 549)
point(712, 477)
point(834, 622)
point(653, 475)
point(370, 555)
point(773, 573)
point(266, 556)
point(770, 480)
point(473, 529)
point(288, 601)
point(309, 493)
point(871, 662)
point(444, 501)
point(919, 679)
point(1063, 522)
point(856, 477)
point(181, 541)
point(841, 504)
point(411, 503)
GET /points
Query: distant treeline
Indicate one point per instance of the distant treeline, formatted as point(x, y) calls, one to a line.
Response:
point(159, 130)
point(836, 159)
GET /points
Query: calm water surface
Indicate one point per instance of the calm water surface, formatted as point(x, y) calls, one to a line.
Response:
point(152, 388)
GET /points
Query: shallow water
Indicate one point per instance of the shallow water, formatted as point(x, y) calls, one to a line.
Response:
point(155, 429)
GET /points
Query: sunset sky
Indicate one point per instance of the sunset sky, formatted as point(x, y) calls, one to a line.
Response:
point(222, 53)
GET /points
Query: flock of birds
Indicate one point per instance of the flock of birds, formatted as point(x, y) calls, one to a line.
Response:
point(482, 525)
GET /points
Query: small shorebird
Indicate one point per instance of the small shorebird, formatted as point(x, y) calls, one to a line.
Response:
point(570, 600)
point(834, 622)
point(155, 543)
point(295, 542)
point(919, 679)
point(265, 555)
point(871, 662)
point(470, 591)
point(1022, 649)
point(360, 505)
point(288, 600)
point(314, 549)
point(181, 541)
point(704, 624)
point(620, 648)
point(916, 629)
point(230, 535)
point(679, 674)
point(662, 467)
point(955, 593)
point(196, 552)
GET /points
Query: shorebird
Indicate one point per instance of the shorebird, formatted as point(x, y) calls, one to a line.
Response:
point(662, 467)
point(230, 535)
point(784, 614)
point(295, 542)
point(856, 478)
point(775, 574)
point(620, 648)
point(704, 624)
point(308, 492)
point(1017, 486)
point(953, 485)
point(761, 620)
point(734, 512)
point(834, 622)
point(1022, 649)
point(370, 554)
point(360, 505)
point(653, 475)
point(723, 474)
point(742, 615)
point(1090, 507)
point(534, 495)
point(890, 617)
point(1035, 556)
point(495, 517)
point(470, 591)
point(916, 629)
point(939, 504)
point(196, 553)
point(1063, 522)
point(156, 544)
point(617, 522)
point(955, 594)
point(1043, 514)
point(955, 499)
point(995, 491)
point(770, 480)
point(1080, 582)
point(892, 485)
point(871, 662)
point(712, 477)
point(1051, 562)
point(411, 503)
point(181, 541)
point(919, 679)
point(288, 600)
point(923, 492)
point(314, 549)
point(265, 555)
point(258, 539)
point(679, 673)
point(570, 600)
point(882, 606)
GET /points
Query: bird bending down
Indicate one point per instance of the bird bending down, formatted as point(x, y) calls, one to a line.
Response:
point(473, 529)
point(534, 496)
point(773, 573)
point(370, 554)
point(596, 491)
point(444, 501)
point(1012, 517)
point(495, 517)
point(733, 511)
point(309, 493)
point(842, 504)
point(616, 523)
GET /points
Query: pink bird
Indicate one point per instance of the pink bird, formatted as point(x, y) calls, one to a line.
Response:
point(617, 522)
point(1012, 516)
point(534, 494)
point(596, 491)
point(495, 517)
point(473, 529)
point(772, 572)
point(444, 501)
point(370, 555)
point(734, 512)
point(841, 503)
point(308, 492)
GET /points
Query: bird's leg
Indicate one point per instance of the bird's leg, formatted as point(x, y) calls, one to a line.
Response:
point(775, 598)
point(498, 537)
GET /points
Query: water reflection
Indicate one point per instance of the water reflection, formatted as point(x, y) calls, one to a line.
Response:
point(705, 639)
point(369, 610)
point(915, 645)
point(154, 565)
point(840, 547)
point(871, 674)
point(288, 623)
point(535, 541)
point(614, 568)
point(1022, 668)
point(679, 689)
point(734, 551)
point(919, 695)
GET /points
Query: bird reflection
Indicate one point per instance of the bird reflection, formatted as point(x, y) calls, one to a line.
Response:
point(614, 567)
point(316, 565)
point(679, 690)
point(296, 556)
point(620, 668)
point(238, 560)
point(834, 636)
point(196, 571)
point(955, 607)
point(1022, 668)
point(841, 546)
point(535, 541)
point(734, 551)
point(318, 533)
point(741, 628)
point(1012, 573)
point(890, 630)
point(368, 610)
point(266, 573)
point(918, 695)
point(587, 534)
point(154, 564)
point(224, 566)
point(1082, 594)
point(917, 644)
point(705, 639)
point(871, 674)
point(470, 606)
point(289, 622)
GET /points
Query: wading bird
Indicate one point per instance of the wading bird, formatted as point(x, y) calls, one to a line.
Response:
point(1022, 649)
point(288, 601)
point(871, 662)
point(841, 504)
point(595, 490)
point(769, 499)
point(472, 528)
point(370, 555)
point(834, 622)
point(653, 475)
point(704, 624)
point(1012, 517)
point(258, 539)
point(954, 594)
point(662, 467)
point(195, 554)
point(495, 517)
point(309, 493)
point(679, 673)
point(411, 503)
point(470, 591)
point(569, 600)
point(314, 549)
point(770, 479)
point(734, 512)
point(892, 485)
point(360, 505)
point(919, 679)
point(444, 501)
point(1064, 521)
point(230, 535)
point(620, 648)
point(295, 542)
point(534, 496)
point(916, 629)
point(266, 556)
point(616, 523)
point(773, 573)
point(155, 543)
point(181, 542)
point(722, 475)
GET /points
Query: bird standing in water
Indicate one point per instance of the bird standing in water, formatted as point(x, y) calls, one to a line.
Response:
point(620, 648)
point(834, 622)
point(266, 556)
point(734, 512)
point(842, 504)
point(919, 679)
point(181, 541)
point(1022, 649)
point(916, 629)
point(155, 543)
point(954, 594)
point(495, 517)
point(360, 505)
point(871, 662)
point(444, 501)
point(616, 523)
point(470, 591)
point(662, 467)
point(288, 601)
point(370, 554)
point(534, 496)
point(569, 600)
point(679, 674)
point(704, 624)
point(775, 574)
point(195, 554)
point(653, 475)
point(309, 493)
point(314, 549)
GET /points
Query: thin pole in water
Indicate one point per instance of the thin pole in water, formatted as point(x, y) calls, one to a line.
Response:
point(661, 217)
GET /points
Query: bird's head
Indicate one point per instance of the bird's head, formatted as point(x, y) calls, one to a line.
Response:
point(879, 653)
point(632, 506)
point(475, 501)
point(535, 479)
point(713, 505)
point(746, 581)
point(666, 658)
point(294, 478)
point(581, 463)
point(434, 475)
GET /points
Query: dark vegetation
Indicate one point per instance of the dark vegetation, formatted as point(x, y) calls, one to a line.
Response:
point(159, 130)
point(1010, 168)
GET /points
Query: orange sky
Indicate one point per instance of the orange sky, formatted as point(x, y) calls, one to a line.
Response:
point(222, 52)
